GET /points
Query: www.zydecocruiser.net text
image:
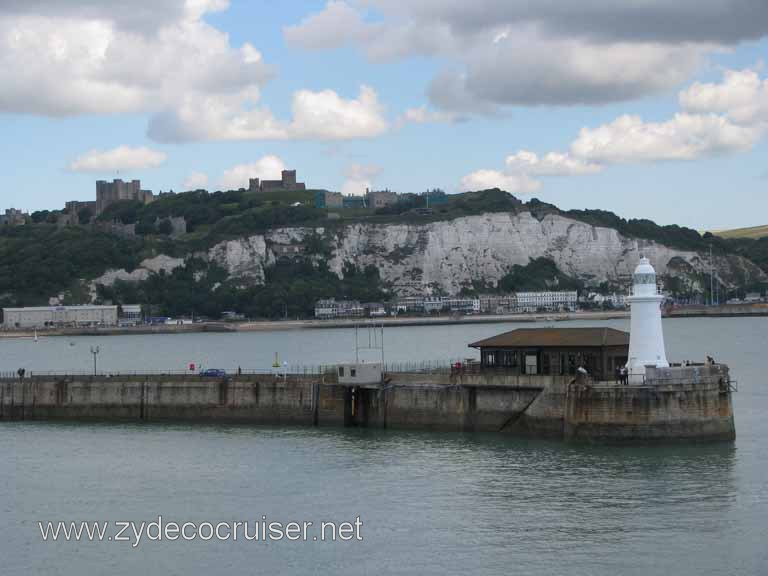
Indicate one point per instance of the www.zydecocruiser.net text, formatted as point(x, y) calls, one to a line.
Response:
point(160, 530)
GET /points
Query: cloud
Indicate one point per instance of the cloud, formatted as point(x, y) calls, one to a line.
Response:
point(165, 60)
point(320, 115)
point(730, 117)
point(196, 181)
point(359, 178)
point(685, 137)
point(265, 168)
point(84, 57)
point(552, 164)
point(501, 53)
point(742, 96)
point(120, 158)
point(424, 115)
point(513, 183)
point(337, 25)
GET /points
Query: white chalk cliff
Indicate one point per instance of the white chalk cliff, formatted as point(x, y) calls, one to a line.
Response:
point(449, 255)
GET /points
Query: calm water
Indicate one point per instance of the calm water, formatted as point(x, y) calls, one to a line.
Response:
point(430, 503)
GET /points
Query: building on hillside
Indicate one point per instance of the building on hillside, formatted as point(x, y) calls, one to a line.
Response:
point(325, 199)
point(331, 308)
point(287, 250)
point(556, 351)
point(107, 193)
point(434, 198)
point(547, 301)
point(286, 182)
point(55, 316)
point(13, 217)
point(380, 198)
point(70, 216)
point(351, 201)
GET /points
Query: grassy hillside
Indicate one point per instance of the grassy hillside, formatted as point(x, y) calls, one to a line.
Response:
point(754, 232)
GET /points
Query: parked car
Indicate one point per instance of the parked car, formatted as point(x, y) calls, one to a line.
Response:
point(213, 373)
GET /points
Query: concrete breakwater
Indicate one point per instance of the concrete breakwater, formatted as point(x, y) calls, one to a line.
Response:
point(553, 406)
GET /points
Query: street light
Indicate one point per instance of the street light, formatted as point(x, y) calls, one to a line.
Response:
point(95, 351)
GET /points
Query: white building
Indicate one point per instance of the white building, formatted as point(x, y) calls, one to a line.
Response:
point(331, 308)
point(548, 301)
point(52, 316)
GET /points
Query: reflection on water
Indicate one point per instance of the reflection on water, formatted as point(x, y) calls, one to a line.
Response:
point(431, 503)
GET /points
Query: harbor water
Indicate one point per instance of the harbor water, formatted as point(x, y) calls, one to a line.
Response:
point(429, 503)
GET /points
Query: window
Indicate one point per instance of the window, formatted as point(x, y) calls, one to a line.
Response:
point(353, 372)
point(341, 371)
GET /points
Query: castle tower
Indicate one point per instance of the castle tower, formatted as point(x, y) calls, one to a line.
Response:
point(646, 338)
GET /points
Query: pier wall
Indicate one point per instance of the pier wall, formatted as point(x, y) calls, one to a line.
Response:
point(550, 406)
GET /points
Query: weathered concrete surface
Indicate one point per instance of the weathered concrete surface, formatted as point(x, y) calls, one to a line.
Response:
point(531, 405)
point(684, 403)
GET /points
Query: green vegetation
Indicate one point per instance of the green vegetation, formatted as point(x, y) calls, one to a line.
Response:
point(41, 260)
point(37, 262)
point(539, 274)
point(291, 289)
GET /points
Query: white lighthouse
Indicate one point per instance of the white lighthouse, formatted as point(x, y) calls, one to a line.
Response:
point(646, 338)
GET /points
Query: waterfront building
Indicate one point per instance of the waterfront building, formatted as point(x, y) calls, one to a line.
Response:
point(547, 301)
point(375, 309)
point(556, 351)
point(498, 304)
point(332, 308)
point(287, 182)
point(409, 305)
point(130, 314)
point(107, 193)
point(646, 347)
point(59, 316)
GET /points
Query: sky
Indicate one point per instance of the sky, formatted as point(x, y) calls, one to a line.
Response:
point(648, 108)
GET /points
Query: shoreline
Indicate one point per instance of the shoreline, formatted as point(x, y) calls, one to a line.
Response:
point(725, 311)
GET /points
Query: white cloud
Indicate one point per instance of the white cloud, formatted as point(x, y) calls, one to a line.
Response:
point(120, 158)
point(552, 164)
point(265, 168)
point(685, 137)
point(196, 181)
point(85, 60)
point(320, 115)
point(742, 96)
point(359, 178)
point(740, 101)
point(513, 183)
point(90, 58)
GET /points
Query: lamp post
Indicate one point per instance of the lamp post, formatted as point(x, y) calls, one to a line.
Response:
point(95, 351)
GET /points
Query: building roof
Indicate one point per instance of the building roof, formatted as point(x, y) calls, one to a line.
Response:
point(556, 338)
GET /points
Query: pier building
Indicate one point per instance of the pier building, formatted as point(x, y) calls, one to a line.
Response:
point(556, 351)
